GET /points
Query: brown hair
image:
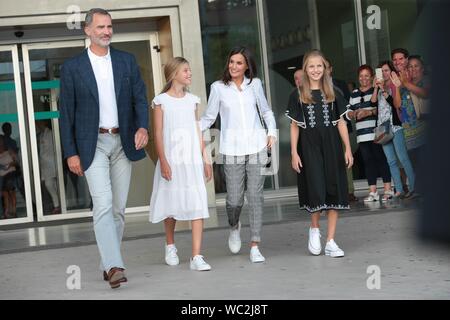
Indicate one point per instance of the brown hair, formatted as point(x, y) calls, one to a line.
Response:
point(400, 50)
point(368, 68)
point(249, 73)
point(325, 84)
point(170, 71)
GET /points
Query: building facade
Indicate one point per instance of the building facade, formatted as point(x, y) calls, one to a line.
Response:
point(36, 37)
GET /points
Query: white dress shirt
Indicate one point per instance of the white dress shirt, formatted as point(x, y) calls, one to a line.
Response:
point(104, 77)
point(241, 130)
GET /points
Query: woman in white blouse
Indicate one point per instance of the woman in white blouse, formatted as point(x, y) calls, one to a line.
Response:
point(243, 141)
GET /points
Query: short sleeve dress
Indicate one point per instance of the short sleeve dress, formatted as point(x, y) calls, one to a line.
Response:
point(322, 182)
point(184, 197)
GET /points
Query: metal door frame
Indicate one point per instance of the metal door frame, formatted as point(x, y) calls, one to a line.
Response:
point(152, 37)
point(23, 137)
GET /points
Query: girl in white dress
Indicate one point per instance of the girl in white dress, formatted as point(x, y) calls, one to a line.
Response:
point(179, 191)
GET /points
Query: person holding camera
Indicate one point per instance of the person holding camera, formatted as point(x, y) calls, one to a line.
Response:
point(396, 148)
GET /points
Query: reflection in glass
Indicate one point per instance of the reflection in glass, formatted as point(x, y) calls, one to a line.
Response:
point(61, 190)
point(226, 24)
point(142, 172)
point(12, 191)
point(292, 28)
point(400, 24)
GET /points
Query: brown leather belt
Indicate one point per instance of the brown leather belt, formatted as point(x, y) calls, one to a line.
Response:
point(110, 131)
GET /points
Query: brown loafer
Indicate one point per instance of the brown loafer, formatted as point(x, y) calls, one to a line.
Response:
point(105, 276)
point(115, 277)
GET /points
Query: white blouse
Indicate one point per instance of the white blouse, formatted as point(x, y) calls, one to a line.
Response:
point(241, 130)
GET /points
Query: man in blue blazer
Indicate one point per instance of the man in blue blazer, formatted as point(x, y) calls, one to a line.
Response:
point(104, 126)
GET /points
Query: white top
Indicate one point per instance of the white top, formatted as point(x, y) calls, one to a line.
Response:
point(104, 77)
point(184, 197)
point(241, 130)
point(5, 160)
point(47, 154)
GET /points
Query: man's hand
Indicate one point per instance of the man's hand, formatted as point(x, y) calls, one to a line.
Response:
point(140, 138)
point(74, 164)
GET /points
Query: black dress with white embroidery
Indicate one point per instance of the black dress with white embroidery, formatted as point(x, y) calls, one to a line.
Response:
point(322, 182)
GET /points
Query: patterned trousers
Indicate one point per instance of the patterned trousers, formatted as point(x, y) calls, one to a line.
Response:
point(245, 174)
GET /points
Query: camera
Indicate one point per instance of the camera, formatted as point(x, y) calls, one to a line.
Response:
point(19, 33)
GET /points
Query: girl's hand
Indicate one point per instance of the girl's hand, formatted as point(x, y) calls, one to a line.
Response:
point(208, 171)
point(296, 162)
point(348, 158)
point(166, 172)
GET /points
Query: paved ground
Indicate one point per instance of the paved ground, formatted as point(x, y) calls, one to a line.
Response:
point(381, 238)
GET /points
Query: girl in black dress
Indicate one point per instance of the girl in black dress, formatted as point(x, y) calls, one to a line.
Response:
point(317, 128)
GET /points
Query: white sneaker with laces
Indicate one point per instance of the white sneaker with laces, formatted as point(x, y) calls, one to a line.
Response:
point(171, 255)
point(388, 195)
point(373, 196)
point(314, 245)
point(198, 263)
point(234, 240)
point(255, 255)
point(332, 250)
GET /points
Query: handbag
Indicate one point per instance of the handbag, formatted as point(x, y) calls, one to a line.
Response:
point(383, 133)
point(421, 105)
point(263, 123)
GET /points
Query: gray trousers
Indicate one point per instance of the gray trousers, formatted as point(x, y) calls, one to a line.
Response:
point(245, 172)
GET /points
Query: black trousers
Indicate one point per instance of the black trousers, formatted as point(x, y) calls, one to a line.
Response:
point(375, 162)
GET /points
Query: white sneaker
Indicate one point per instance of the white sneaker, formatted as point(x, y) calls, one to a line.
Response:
point(234, 240)
point(199, 264)
point(373, 196)
point(332, 250)
point(388, 195)
point(255, 255)
point(171, 255)
point(314, 245)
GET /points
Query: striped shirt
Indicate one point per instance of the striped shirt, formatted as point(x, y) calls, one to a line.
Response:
point(365, 126)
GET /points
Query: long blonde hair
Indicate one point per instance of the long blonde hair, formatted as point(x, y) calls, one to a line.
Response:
point(325, 84)
point(170, 71)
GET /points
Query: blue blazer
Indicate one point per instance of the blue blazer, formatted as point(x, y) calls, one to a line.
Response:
point(79, 105)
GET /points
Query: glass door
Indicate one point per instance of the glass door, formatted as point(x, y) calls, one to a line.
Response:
point(16, 205)
point(145, 48)
point(59, 193)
